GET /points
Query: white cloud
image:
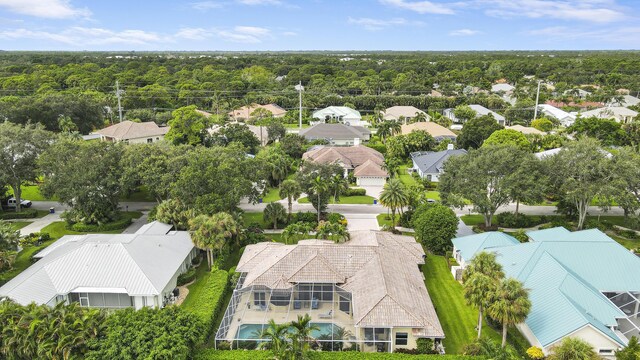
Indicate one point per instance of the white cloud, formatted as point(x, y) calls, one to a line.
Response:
point(379, 24)
point(50, 9)
point(463, 32)
point(213, 4)
point(422, 7)
point(628, 36)
point(206, 5)
point(193, 33)
point(241, 34)
point(260, 2)
point(597, 11)
point(82, 36)
point(289, 33)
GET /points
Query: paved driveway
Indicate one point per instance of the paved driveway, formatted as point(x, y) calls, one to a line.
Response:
point(373, 190)
point(361, 222)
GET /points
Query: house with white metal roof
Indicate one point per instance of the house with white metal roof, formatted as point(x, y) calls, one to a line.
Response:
point(582, 284)
point(553, 112)
point(339, 114)
point(371, 286)
point(480, 111)
point(107, 270)
point(618, 113)
point(404, 113)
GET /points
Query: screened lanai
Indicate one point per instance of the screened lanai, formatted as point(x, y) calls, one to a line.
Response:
point(629, 303)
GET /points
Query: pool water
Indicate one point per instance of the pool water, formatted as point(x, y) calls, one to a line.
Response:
point(251, 331)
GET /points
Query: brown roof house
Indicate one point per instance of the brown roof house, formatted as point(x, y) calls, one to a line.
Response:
point(403, 113)
point(364, 162)
point(437, 131)
point(244, 112)
point(133, 132)
point(526, 130)
point(371, 286)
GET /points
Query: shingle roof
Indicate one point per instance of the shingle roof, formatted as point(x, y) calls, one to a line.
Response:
point(437, 131)
point(132, 130)
point(377, 268)
point(395, 112)
point(430, 162)
point(567, 272)
point(139, 264)
point(526, 129)
point(335, 132)
point(245, 111)
point(609, 112)
point(350, 157)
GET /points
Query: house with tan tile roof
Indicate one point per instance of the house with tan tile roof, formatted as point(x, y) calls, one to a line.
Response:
point(133, 132)
point(365, 162)
point(526, 130)
point(370, 285)
point(437, 131)
point(403, 113)
point(244, 112)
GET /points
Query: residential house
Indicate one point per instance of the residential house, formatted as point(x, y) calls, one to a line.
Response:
point(337, 134)
point(430, 165)
point(503, 88)
point(133, 132)
point(364, 162)
point(245, 112)
point(526, 130)
point(579, 93)
point(553, 112)
point(437, 131)
point(106, 270)
point(625, 100)
point(581, 284)
point(403, 113)
point(371, 286)
point(552, 152)
point(480, 111)
point(618, 113)
point(339, 114)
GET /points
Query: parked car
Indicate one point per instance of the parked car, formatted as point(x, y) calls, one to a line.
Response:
point(12, 202)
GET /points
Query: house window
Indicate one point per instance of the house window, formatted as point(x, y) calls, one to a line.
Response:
point(345, 305)
point(605, 351)
point(260, 298)
point(84, 299)
point(402, 338)
point(149, 140)
point(144, 301)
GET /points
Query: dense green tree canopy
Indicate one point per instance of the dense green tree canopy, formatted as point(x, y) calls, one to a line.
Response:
point(476, 131)
point(435, 226)
point(508, 137)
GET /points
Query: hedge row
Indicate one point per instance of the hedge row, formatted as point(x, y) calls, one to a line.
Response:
point(210, 354)
point(207, 301)
point(110, 226)
point(354, 192)
point(23, 214)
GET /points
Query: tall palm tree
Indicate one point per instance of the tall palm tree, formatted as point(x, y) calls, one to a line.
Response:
point(485, 263)
point(510, 305)
point(300, 229)
point(384, 130)
point(301, 335)
point(273, 213)
point(291, 190)
point(319, 187)
point(338, 184)
point(395, 128)
point(420, 117)
point(478, 289)
point(276, 334)
point(394, 197)
point(212, 232)
point(391, 166)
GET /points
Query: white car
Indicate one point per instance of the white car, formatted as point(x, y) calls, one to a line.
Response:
point(11, 203)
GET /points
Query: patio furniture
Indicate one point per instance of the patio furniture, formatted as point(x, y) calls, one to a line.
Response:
point(297, 304)
point(314, 304)
point(328, 315)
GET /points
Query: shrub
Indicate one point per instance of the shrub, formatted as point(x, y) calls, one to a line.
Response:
point(600, 225)
point(354, 192)
point(207, 301)
point(35, 239)
point(381, 148)
point(435, 226)
point(405, 219)
point(306, 217)
point(23, 214)
point(535, 353)
point(425, 346)
point(119, 224)
point(521, 236)
point(210, 354)
point(186, 277)
point(336, 218)
point(509, 220)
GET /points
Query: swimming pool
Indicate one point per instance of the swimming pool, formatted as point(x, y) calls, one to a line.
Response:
point(251, 331)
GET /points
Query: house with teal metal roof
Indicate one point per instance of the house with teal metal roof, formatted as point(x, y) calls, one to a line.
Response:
point(582, 284)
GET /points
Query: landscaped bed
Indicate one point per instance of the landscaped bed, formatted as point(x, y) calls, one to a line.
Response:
point(358, 199)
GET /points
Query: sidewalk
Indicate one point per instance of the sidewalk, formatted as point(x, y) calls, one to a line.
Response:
point(38, 224)
point(137, 224)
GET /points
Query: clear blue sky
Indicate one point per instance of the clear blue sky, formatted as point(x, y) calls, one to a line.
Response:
point(319, 24)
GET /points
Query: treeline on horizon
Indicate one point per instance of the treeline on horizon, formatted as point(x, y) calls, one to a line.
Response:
point(42, 86)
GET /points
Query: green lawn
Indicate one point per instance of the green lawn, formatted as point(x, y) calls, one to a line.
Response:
point(435, 195)
point(255, 217)
point(458, 319)
point(32, 192)
point(405, 177)
point(271, 195)
point(17, 225)
point(383, 219)
point(472, 220)
point(202, 275)
point(364, 199)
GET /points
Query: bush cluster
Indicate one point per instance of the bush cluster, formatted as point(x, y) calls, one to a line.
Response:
point(210, 300)
point(35, 239)
point(354, 192)
point(509, 220)
point(110, 226)
point(186, 277)
point(23, 214)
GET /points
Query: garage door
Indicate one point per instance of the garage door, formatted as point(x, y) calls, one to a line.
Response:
point(371, 181)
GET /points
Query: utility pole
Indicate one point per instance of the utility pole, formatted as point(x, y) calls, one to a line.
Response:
point(299, 87)
point(535, 111)
point(119, 95)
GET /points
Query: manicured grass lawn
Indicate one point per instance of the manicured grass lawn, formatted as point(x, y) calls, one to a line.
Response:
point(405, 177)
point(17, 225)
point(255, 217)
point(202, 275)
point(364, 199)
point(384, 220)
point(472, 220)
point(435, 195)
point(271, 196)
point(32, 192)
point(458, 319)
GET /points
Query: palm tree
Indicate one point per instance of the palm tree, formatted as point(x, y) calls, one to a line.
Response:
point(298, 229)
point(212, 232)
point(319, 187)
point(291, 190)
point(420, 117)
point(273, 213)
point(391, 166)
point(480, 280)
point(384, 130)
point(276, 334)
point(573, 349)
point(394, 197)
point(301, 335)
point(395, 128)
point(327, 230)
point(338, 184)
point(510, 305)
